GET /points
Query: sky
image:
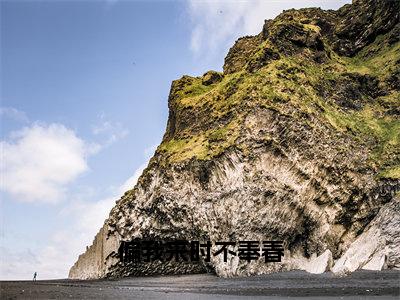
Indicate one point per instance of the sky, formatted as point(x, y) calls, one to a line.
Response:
point(84, 104)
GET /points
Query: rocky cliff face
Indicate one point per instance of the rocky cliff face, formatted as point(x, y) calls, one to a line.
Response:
point(297, 140)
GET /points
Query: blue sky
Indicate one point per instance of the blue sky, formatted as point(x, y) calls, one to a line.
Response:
point(84, 87)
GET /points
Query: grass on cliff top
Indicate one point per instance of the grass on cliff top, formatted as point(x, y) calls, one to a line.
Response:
point(365, 125)
point(391, 173)
point(194, 89)
point(370, 123)
point(286, 86)
point(202, 146)
point(291, 83)
point(376, 59)
point(220, 96)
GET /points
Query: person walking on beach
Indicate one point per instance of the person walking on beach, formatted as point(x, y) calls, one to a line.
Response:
point(34, 276)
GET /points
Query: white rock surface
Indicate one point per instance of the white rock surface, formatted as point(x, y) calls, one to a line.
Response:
point(377, 262)
point(379, 243)
point(320, 264)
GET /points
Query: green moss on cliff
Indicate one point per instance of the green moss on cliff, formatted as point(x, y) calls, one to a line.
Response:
point(294, 86)
point(205, 145)
point(376, 59)
point(391, 173)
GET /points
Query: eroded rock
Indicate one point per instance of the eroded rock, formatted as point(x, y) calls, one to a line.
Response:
point(297, 141)
point(378, 246)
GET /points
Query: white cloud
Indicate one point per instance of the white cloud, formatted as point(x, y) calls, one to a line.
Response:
point(88, 216)
point(85, 218)
point(149, 151)
point(37, 162)
point(18, 263)
point(54, 260)
point(217, 24)
point(111, 131)
point(14, 114)
point(131, 181)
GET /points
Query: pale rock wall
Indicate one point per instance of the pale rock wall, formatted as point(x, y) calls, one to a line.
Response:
point(378, 246)
point(234, 206)
point(287, 171)
point(98, 257)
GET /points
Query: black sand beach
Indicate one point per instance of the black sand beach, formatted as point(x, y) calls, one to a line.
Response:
point(293, 285)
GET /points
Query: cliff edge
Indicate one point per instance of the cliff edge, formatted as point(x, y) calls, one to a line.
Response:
point(296, 140)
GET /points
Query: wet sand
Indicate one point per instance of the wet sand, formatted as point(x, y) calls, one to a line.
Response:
point(293, 285)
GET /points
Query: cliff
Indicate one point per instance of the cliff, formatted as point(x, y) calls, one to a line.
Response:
point(297, 140)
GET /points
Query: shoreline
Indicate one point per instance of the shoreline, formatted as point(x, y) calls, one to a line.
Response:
point(292, 284)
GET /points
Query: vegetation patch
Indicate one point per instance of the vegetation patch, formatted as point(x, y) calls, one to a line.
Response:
point(289, 85)
point(392, 173)
point(202, 146)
